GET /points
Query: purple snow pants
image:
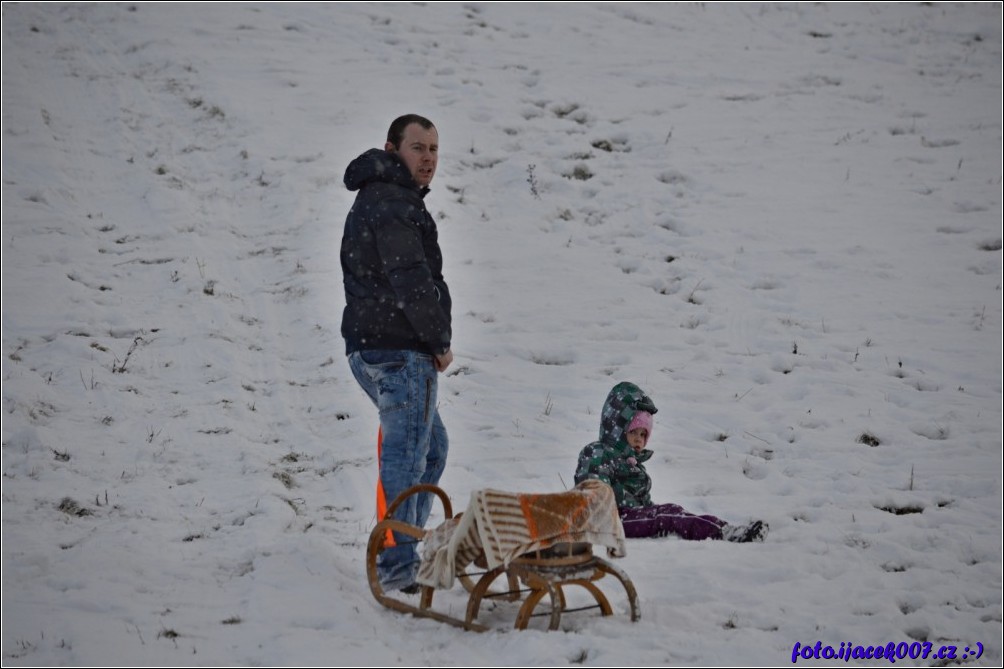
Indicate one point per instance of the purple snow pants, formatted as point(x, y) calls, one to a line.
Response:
point(659, 520)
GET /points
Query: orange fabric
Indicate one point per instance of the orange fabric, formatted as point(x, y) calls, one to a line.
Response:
point(381, 497)
point(549, 515)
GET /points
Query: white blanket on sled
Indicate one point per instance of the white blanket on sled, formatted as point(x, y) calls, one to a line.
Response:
point(505, 525)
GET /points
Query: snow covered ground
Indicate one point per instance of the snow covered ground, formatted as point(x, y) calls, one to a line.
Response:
point(782, 221)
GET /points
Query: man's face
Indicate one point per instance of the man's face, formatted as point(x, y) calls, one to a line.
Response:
point(420, 152)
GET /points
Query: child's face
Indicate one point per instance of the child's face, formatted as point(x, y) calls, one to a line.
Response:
point(637, 438)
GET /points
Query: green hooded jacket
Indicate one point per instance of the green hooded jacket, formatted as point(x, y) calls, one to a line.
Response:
point(611, 459)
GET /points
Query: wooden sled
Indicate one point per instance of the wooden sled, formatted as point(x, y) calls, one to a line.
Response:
point(529, 579)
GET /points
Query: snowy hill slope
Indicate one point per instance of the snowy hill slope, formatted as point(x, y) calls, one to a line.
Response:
point(782, 221)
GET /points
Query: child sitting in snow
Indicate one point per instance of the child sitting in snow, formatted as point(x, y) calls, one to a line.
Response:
point(618, 460)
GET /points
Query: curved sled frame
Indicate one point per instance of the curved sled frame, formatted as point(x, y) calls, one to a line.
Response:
point(544, 573)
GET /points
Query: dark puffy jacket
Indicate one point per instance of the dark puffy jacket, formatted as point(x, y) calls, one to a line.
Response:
point(395, 295)
point(611, 459)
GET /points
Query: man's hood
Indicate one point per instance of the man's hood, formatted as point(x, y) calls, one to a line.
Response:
point(378, 166)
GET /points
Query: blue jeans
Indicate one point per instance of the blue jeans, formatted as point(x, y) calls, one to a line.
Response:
point(402, 385)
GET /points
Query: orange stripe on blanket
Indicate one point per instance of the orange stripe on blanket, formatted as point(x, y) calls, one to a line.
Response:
point(550, 515)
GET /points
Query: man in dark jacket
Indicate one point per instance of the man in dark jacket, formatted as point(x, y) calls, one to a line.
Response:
point(397, 323)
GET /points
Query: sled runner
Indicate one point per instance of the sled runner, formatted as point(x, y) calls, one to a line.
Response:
point(538, 545)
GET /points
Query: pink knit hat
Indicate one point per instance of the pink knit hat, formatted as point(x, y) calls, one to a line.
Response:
point(642, 419)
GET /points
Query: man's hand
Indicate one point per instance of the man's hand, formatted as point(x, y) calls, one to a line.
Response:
point(443, 360)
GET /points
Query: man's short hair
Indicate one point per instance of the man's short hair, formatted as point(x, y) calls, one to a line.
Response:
point(395, 134)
